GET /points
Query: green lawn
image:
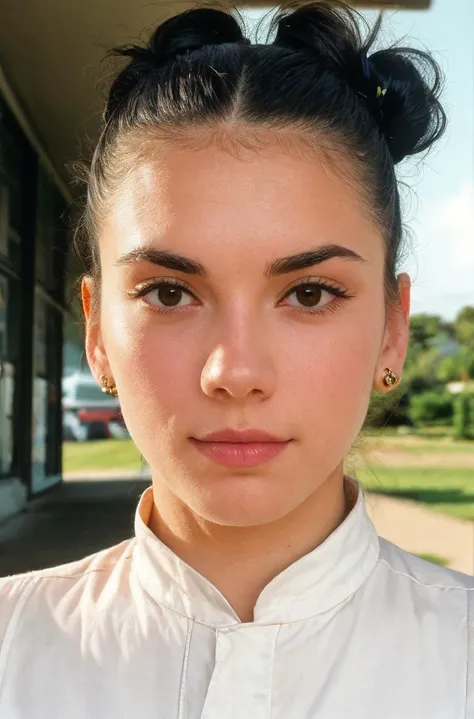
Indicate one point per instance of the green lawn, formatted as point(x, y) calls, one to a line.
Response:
point(427, 432)
point(119, 454)
point(435, 559)
point(443, 489)
point(415, 444)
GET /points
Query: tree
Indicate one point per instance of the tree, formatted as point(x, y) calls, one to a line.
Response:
point(459, 368)
point(424, 328)
point(448, 370)
point(464, 327)
point(420, 373)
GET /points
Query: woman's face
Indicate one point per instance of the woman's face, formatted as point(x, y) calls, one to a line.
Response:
point(208, 324)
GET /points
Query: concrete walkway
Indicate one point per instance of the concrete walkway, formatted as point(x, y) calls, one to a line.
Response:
point(89, 514)
point(79, 518)
point(422, 531)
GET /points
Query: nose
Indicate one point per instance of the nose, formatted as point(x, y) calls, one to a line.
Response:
point(240, 365)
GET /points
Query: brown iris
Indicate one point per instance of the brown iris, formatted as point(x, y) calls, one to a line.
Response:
point(169, 296)
point(308, 295)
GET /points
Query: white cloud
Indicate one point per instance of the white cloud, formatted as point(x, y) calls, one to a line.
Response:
point(453, 220)
point(443, 263)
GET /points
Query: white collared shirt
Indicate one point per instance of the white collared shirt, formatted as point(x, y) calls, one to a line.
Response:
point(356, 629)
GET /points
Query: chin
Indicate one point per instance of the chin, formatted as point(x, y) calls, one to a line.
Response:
point(248, 503)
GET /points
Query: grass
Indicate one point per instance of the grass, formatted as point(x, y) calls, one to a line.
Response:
point(112, 454)
point(415, 444)
point(444, 489)
point(434, 559)
point(427, 432)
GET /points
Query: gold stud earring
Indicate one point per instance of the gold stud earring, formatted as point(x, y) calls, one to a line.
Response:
point(390, 378)
point(108, 386)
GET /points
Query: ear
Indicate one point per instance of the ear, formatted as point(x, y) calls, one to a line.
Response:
point(95, 351)
point(396, 335)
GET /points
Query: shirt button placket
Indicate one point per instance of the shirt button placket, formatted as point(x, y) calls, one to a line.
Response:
point(240, 686)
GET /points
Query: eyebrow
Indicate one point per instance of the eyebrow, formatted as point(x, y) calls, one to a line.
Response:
point(281, 266)
point(311, 258)
point(163, 258)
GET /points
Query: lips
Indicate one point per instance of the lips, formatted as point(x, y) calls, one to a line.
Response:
point(240, 448)
point(241, 436)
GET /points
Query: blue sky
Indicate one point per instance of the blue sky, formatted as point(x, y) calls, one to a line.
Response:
point(440, 210)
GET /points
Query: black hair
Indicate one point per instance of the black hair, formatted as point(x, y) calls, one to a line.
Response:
point(318, 74)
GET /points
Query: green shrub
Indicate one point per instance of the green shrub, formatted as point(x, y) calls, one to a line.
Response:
point(431, 408)
point(462, 415)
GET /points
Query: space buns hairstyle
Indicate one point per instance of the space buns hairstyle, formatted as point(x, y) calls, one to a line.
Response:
point(317, 73)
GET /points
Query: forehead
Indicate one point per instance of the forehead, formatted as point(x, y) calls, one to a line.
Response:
point(210, 199)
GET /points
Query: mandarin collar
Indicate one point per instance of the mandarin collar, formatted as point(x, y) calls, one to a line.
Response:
point(315, 583)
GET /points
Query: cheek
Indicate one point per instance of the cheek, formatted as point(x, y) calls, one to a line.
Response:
point(152, 365)
point(341, 348)
point(327, 371)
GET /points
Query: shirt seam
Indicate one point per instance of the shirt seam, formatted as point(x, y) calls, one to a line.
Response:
point(422, 584)
point(270, 693)
point(184, 670)
point(9, 636)
point(37, 577)
point(470, 651)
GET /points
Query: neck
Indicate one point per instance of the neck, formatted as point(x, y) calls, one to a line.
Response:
point(241, 561)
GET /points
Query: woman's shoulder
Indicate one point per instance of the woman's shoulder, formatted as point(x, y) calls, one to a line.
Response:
point(419, 571)
point(37, 593)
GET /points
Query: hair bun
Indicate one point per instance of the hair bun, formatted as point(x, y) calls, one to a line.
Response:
point(192, 30)
point(326, 31)
point(400, 86)
point(183, 33)
point(410, 114)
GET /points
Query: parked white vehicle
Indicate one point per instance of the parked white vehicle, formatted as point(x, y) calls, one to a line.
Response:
point(89, 413)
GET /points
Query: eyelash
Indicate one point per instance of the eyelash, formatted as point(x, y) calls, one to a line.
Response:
point(339, 296)
point(147, 287)
point(338, 293)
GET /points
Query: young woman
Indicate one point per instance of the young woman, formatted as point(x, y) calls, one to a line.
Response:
point(243, 234)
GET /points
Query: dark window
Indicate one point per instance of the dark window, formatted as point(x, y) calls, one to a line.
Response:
point(51, 236)
point(13, 159)
point(8, 356)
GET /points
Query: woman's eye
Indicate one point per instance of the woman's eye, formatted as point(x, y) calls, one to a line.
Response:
point(167, 295)
point(309, 296)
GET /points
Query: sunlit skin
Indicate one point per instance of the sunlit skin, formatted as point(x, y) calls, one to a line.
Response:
point(241, 349)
